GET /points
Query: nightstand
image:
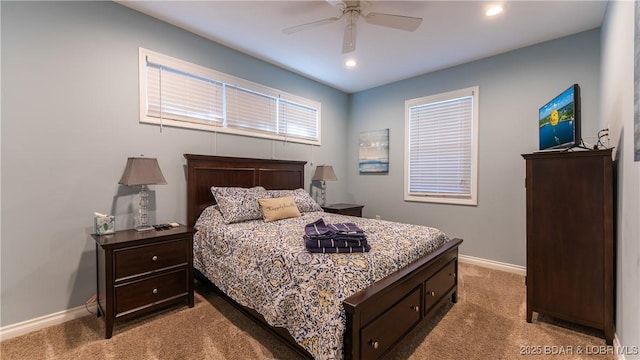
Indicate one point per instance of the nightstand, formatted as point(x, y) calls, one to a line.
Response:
point(344, 209)
point(140, 272)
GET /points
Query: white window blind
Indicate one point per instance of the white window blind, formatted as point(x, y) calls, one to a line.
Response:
point(176, 93)
point(183, 97)
point(440, 158)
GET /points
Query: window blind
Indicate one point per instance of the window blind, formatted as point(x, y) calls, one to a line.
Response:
point(440, 151)
point(177, 93)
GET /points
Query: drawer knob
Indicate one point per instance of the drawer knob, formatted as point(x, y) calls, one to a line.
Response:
point(431, 293)
point(374, 344)
point(155, 258)
point(155, 291)
point(415, 308)
point(452, 274)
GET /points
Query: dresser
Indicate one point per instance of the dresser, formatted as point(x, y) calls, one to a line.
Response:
point(570, 247)
point(141, 272)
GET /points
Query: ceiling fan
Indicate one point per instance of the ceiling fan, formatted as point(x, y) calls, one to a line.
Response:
point(351, 11)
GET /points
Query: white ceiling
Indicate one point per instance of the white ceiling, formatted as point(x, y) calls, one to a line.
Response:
point(452, 33)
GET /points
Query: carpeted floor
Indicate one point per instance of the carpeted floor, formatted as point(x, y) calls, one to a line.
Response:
point(488, 322)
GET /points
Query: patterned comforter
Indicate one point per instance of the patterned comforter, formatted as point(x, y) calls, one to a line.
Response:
point(266, 267)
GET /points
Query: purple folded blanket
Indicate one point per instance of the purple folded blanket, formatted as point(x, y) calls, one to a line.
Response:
point(310, 242)
point(318, 228)
point(334, 238)
point(340, 250)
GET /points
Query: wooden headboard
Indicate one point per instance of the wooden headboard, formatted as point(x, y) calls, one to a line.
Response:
point(204, 171)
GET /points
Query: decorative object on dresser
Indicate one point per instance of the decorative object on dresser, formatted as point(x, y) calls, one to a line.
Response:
point(142, 171)
point(324, 173)
point(570, 249)
point(139, 272)
point(344, 209)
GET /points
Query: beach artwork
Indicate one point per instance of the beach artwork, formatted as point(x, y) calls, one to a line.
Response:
point(374, 152)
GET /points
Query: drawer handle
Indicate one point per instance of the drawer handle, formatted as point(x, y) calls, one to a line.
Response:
point(155, 291)
point(415, 308)
point(452, 274)
point(374, 344)
point(431, 293)
point(155, 258)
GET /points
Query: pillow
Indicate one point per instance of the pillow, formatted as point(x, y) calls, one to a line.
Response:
point(239, 204)
point(278, 208)
point(303, 200)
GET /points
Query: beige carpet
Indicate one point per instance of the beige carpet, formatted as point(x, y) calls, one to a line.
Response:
point(488, 322)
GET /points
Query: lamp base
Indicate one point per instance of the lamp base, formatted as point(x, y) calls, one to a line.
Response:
point(144, 228)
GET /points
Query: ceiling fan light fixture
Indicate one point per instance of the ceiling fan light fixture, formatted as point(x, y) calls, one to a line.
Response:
point(494, 10)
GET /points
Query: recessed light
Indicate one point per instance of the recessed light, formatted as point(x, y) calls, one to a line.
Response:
point(494, 10)
point(351, 62)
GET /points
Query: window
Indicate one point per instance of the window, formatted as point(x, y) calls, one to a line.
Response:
point(441, 156)
point(177, 93)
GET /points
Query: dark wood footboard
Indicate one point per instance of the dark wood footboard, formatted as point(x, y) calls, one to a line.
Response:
point(382, 315)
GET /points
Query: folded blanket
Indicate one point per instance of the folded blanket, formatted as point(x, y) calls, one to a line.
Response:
point(314, 242)
point(345, 228)
point(319, 228)
point(334, 238)
point(340, 250)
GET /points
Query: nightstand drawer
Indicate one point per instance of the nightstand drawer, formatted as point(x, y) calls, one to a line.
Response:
point(150, 291)
point(143, 259)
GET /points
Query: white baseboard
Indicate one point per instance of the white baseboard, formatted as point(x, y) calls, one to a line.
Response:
point(517, 269)
point(616, 345)
point(25, 327)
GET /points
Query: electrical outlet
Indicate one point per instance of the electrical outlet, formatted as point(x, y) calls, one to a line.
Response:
point(377, 217)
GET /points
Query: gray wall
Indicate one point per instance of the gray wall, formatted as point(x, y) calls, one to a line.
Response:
point(512, 88)
point(617, 111)
point(70, 120)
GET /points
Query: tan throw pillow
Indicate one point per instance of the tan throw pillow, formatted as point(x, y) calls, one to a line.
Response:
point(278, 208)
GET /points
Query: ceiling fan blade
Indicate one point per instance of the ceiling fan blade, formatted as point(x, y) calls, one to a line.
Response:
point(400, 22)
point(294, 29)
point(349, 41)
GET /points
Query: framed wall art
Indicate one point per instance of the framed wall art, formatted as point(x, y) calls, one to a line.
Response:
point(374, 152)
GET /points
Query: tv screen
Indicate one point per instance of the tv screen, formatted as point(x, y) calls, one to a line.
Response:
point(559, 120)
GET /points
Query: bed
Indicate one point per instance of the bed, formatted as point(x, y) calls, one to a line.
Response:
point(372, 319)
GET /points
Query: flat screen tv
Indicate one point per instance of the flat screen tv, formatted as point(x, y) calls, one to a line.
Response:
point(559, 120)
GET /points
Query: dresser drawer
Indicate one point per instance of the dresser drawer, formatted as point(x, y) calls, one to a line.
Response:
point(391, 326)
point(143, 259)
point(439, 284)
point(149, 291)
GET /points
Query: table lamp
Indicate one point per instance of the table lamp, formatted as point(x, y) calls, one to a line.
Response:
point(324, 173)
point(142, 171)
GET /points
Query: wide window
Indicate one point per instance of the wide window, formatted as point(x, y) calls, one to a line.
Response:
point(441, 156)
point(177, 93)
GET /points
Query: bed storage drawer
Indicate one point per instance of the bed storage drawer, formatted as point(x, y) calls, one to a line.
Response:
point(391, 326)
point(439, 285)
point(150, 291)
point(143, 259)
